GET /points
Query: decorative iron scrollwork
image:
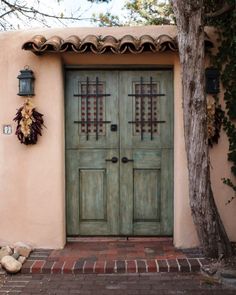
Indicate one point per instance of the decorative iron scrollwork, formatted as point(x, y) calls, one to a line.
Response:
point(146, 115)
point(92, 108)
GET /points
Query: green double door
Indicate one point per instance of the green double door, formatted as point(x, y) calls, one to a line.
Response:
point(119, 152)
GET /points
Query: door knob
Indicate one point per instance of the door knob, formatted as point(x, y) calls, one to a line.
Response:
point(113, 160)
point(126, 160)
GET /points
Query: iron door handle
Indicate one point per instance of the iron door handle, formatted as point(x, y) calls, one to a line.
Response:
point(126, 160)
point(113, 160)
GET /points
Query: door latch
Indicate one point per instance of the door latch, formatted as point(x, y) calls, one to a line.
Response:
point(113, 160)
point(126, 160)
point(114, 127)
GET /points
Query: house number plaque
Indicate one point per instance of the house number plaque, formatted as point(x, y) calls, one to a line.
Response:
point(7, 129)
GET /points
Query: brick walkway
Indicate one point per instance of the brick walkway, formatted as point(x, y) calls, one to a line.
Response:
point(115, 284)
point(135, 255)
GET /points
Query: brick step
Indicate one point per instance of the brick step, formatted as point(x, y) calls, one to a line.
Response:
point(114, 266)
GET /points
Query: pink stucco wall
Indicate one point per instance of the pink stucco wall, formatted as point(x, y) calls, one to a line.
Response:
point(32, 178)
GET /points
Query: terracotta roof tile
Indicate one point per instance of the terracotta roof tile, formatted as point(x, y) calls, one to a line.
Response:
point(71, 43)
point(52, 44)
point(99, 44)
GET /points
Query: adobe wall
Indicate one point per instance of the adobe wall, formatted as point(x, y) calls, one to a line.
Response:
point(32, 182)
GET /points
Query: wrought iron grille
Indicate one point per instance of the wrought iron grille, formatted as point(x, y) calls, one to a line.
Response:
point(146, 113)
point(92, 108)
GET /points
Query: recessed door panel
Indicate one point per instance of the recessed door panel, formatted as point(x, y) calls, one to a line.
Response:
point(92, 194)
point(147, 193)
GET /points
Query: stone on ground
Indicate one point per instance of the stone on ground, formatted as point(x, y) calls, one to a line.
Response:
point(22, 249)
point(4, 251)
point(11, 264)
point(16, 255)
point(21, 244)
point(22, 259)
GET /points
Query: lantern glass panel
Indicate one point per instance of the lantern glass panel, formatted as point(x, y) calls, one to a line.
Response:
point(25, 86)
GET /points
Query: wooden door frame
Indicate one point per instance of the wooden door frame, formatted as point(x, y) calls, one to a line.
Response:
point(125, 67)
point(121, 67)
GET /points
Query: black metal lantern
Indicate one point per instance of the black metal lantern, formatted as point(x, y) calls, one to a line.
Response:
point(212, 81)
point(26, 82)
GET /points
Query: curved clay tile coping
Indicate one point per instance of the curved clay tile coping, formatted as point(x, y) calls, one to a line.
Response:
point(52, 44)
point(109, 43)
point(91, 42)
point(98, 45)
point(148, 40)
point(70, 44)
point(34, 43)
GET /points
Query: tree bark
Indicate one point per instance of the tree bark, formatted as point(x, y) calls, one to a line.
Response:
point(210, 230)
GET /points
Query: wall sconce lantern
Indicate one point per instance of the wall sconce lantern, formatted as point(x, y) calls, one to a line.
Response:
point(26, 82)
point(212, 81)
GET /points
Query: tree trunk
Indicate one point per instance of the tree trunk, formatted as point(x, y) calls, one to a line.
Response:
point(210, 230)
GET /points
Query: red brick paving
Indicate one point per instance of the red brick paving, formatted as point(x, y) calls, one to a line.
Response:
point(56, 267)
point(152, 266)
point(194, 264)
point(37, 266)
point(131, 266)
point(99, 267)
point(110, 266)
point(108, 255)
point(68, 267)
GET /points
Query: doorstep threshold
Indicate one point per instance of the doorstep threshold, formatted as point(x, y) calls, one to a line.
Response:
point(117, 239)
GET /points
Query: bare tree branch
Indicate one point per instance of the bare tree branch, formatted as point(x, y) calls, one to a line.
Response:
point(25, 13)
point(35, 11)
point(6, 13)
point(227, 7)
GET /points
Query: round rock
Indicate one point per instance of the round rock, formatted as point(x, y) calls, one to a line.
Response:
point(10, 264)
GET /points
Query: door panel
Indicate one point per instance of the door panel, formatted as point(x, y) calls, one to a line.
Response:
point(83, 104)
point(141, 193)
point(133, 195)
point(92, 193)
point(144, 108)
point(147, 184)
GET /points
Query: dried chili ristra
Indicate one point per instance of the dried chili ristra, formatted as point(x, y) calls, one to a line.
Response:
point(29, 123)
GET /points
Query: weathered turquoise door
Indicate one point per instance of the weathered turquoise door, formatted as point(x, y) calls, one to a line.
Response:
point(119, 152)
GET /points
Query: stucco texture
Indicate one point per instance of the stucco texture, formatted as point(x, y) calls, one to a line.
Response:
point(32, 178)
